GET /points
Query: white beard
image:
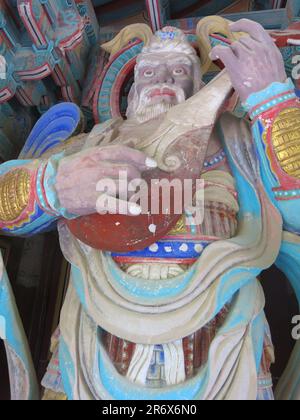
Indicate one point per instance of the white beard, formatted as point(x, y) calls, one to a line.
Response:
point(151, 112)
point(144, 110)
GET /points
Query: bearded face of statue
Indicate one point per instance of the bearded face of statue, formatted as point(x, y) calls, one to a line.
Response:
point(161, 81)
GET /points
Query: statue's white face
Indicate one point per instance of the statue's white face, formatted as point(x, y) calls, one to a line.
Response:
point(161, 81)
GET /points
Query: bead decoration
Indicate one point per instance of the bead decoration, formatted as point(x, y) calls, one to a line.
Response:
point(272, 103)
point(287, 195)
point(169, 250)
point(214, 161)
point(275, 90)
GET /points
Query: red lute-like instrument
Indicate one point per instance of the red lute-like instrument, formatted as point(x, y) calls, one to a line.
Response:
point(121, 233)
point(186, 131)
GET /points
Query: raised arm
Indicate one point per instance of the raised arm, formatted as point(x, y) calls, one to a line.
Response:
point(257, 73)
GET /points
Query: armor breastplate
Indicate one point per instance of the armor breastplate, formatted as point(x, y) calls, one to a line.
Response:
point(185, 243)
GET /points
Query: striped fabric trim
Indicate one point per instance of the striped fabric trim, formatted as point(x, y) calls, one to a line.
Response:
point(41, 193)
point(107, 99)
point(164, 251)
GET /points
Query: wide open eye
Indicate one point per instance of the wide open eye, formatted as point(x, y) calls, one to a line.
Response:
point(149, 73)
point(179, 71)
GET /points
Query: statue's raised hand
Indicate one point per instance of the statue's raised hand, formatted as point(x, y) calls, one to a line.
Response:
point(253, 62)
point(79, 177)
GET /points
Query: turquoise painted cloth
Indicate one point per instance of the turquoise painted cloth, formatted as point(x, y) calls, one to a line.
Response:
point(22, 376)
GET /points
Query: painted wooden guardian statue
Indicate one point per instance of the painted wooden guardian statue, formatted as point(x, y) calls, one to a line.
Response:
point(167, 309)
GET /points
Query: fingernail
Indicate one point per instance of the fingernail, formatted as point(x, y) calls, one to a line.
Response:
point(151, 163)
point(134, 209)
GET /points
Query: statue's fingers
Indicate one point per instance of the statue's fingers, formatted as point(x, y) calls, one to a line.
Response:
point(112, 205)
point(226, 55)
point(129, 172)
point(249, 43)
point(115, 188)
point(239, 49)
point(254, 29)
point(110, 173)
point(121, 182)
point(125, 154)
point(137, 158)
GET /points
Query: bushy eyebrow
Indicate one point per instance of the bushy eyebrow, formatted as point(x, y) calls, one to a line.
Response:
point(172, 61)
point(181, 60)
point(152, 63)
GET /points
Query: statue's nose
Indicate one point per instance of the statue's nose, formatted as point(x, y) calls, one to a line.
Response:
point(165, 76)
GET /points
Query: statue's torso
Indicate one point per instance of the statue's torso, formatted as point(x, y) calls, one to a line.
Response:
point(175, 362)
point(167, 259)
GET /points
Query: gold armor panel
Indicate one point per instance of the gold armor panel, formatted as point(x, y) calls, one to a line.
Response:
point(180, 228)
point(14, 194)
point(286, 141)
